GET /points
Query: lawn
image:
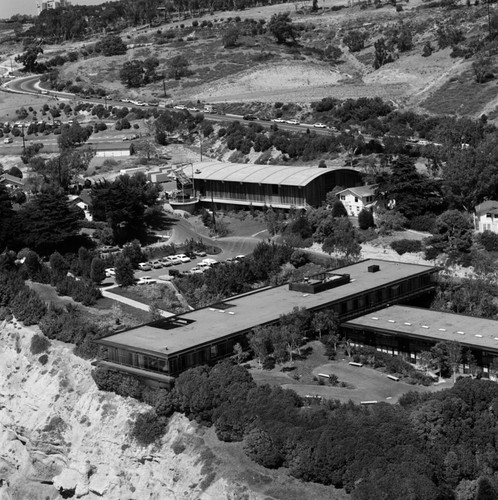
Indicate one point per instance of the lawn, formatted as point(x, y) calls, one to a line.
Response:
point(362, 384)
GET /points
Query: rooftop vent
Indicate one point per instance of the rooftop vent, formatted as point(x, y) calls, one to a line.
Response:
point(374, 268)
point(374, 317)
point(425, 326)
point(461, 333)
point(477, 335)
point(442, 329)
point(408, 324)
point(391, 321)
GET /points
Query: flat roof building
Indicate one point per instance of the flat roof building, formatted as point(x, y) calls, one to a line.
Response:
point(407, 331)
point(232, 185)
point(163, 349)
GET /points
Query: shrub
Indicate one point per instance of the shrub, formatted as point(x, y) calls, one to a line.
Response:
point(148, 428)
point(365, 219)
point(39, 344)
point(43, 359)
point(488, 240)
point(406, 246)
point(425, 223)
point(124, 385)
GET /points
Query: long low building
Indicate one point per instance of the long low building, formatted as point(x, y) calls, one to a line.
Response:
point(163, 349)
point(407, 331)
point(232, 185)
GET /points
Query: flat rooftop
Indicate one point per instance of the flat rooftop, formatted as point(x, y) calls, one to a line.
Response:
point(431, 325)
point(263, 306)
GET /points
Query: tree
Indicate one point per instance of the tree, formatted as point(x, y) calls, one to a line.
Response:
point(178, 67)
point(383, 54)
point(230, 37)
point(343, 241)
point(112, 45)
point(72, 136)
point(454, 357)
point(452, 236)
point(338, 209)
point(131, 74)
point(133, 252)
point(260, 343)
point(281, 27)
point(326, 320)
point(125, 275)
point(355, 40)
point(409, 191)
point(365, 219)
point(483, 69)
point(58, 267)
point(47, 222)
point(154, 311)
point(31, 151)
point(97, 270)
point(389, 221)
point(6, 218)
point(28, 58)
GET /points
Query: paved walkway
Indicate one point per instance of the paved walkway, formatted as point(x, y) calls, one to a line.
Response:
point(133, 303)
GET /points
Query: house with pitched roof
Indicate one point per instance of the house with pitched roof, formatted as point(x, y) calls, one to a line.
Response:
point(355, 199)
point(486, 216)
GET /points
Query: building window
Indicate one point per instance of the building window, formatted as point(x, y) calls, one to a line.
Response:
point(343, 197)
point(274, 189)
point(214, 351)
point(356, 199)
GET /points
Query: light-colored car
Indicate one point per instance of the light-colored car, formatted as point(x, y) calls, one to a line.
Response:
point(319, 125)
point(292, 122)
point(7, 140)
point(183, 257)
point(146, 280)
point(110, 272)
point(174, 259)
point(200, 253)
point(180, 107)
point(157, 264)
point(166, 262)
point(144, 266)
point(194, 110)
point(198, 270)
point(278, 120)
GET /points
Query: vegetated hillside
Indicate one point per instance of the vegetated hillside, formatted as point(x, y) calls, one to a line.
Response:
point(61, 438)
point(422, 55)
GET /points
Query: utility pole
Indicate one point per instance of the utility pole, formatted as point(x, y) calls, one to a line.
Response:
point(164, 85)
point(23, 141)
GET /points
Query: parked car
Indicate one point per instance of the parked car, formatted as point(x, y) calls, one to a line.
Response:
point(166, 262)
point(146, 280)
point(174, 259)
point(7, 140)
point(194, 110)
point(319, 125)
point(157, 264)
point(278, 120)
point(144, 266)
point(250, 117)
point(180, 107)
point(200, 253)
point(183, 258)
point(110, 272)
point(292, 122)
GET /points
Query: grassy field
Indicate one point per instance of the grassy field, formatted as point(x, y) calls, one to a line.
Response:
point(461, 95)
point(358, 384)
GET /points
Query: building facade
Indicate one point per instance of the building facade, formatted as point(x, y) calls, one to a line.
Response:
point(51, 4)
point(239, 185)
point(407, 331)
point(486, 216)
point(355, 199)
point(161, 350)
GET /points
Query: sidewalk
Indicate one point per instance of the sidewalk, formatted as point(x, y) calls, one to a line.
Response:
point(133, 303)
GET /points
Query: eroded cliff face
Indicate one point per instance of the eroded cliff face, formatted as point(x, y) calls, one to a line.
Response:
point(60, 437)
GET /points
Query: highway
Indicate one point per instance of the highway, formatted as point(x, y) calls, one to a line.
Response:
point(31, 85)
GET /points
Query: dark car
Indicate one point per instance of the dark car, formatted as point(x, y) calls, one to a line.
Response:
point(249, 117)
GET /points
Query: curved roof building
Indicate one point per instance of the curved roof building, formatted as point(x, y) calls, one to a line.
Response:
point(278, 186)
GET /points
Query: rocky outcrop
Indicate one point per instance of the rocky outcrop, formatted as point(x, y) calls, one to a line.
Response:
point(60, 437)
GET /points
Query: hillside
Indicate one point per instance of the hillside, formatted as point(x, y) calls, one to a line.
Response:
point(322, 63)
point(62, 438)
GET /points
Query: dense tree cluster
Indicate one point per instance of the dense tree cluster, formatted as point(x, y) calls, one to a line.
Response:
point(136, 73)
point(223, 281)
point(123, 203)
point(429, 447)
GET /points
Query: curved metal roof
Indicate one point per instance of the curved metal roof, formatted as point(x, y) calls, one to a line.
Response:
point(282, 175)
